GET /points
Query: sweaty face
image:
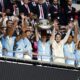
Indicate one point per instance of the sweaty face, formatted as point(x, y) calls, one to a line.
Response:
point(70, 39)
point(58, 38)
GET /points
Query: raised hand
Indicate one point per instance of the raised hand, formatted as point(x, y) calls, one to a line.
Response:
point(75, 23)
point(71, 25)
point(3, 15)
point(56, 24)
point(22, 16)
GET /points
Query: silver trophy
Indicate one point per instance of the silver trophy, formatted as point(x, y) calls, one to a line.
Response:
point(44, 24)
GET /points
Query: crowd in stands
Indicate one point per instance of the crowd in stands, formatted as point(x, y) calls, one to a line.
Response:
point(21, 38)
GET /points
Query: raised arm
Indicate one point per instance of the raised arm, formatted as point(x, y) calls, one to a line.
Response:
point(52, 38)
point(70, 26)
point(15, 22)
point(24, 24)
point(55, 27)
point(3, 17)
point(36, 34)
point(75, 31)
point(1, 22)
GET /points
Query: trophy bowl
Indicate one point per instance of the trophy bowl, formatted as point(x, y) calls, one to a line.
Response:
point(44, 24)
